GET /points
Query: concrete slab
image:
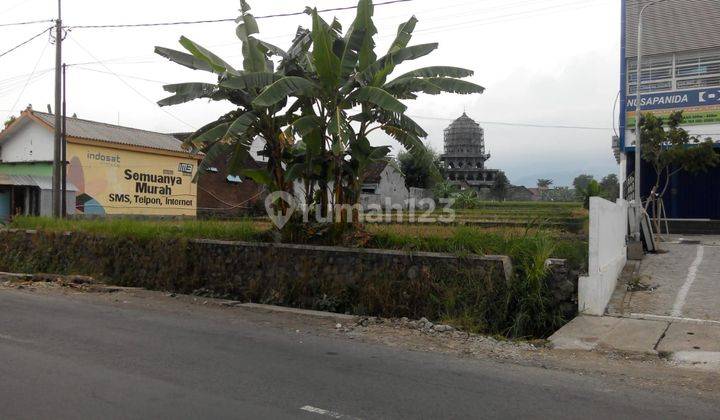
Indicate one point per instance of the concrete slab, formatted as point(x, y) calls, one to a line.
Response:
point(634, 335)
point(702, 300)
point(704, 360)
point(583, 332)
point(681, 282)
point(682, 337)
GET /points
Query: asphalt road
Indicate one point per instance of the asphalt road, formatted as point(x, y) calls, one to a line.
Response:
point(67, 358)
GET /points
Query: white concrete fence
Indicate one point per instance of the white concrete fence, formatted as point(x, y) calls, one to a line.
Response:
point(607, 257)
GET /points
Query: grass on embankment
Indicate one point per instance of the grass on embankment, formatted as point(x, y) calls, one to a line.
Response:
point(241, 230)
point(458, 240)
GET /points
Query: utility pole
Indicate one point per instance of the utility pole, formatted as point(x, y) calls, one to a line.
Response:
point(57, 155)
point(64, 141)
point(638, 116)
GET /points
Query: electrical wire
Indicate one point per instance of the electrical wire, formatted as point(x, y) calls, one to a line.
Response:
point(120, 74)
point(27, 82)
point(506, 17)
point(3, 25)
point(519, 124)
point(131, 87)
point(194, 22)
point(615, 103)
point(25, 42)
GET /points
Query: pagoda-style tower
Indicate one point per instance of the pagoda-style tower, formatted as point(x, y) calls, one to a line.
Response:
point(464, 158)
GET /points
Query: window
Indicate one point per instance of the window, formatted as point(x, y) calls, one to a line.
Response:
point(698, 83)
point(234, 179)
point(675, 72)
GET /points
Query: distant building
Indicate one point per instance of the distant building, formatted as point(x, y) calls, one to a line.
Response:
point(112, 170)
point(519, 193)
point(222, 194)
point(680, 71)
point(464, 158)
point(384, 183)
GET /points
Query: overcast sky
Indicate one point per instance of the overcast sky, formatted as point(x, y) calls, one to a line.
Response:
point(545, 62)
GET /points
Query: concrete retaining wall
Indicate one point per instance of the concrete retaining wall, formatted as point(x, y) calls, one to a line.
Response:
point(607, 256)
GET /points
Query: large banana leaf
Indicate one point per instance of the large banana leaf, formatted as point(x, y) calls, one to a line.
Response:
point(270, 48)
point(218, 65)
point(359, 44)
point(377, 97)
point(387, 63)
point(210, 136)
point(407, 139)
point(184, 59)
point(309, 128)
point(438, 71)
point(402, 87)
point(186, 92)
point(402, 121)
point(240, 153)
point(245, 81)
point(412, 144)
point(280, 90)
point(327, 64)
point(241, 126)
point(431, 86)
point(301, 43)
point(451, 85)
point(260, 176)
point(254, 58)
point(404, 34)
point(341, 130)
point(216, 151)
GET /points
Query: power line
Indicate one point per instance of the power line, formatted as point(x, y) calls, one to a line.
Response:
point(25, 42)
point(3, 25)
point(520, 124)
point(27, 82)
point(119, 74)
point(129, 85)
point(195, 22)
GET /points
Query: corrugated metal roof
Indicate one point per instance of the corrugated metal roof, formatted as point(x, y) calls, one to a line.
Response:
point(673, 26)
point(94, 130)
point(42, 182)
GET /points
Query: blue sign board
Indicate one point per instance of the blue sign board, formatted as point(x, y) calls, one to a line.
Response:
point(676, 100)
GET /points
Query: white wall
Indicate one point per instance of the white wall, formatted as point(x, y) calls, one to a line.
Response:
point(392, 186)
point(31, 142)
point(607, 256)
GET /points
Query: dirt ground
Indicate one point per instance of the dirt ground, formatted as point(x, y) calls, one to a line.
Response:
point(646, 371)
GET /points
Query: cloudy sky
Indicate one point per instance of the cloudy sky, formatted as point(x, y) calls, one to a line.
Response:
point(549, 66)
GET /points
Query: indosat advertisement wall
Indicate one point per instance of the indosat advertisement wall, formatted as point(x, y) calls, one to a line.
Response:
point(114, 181)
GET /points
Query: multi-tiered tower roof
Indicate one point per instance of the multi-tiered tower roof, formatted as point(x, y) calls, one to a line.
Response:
point(465, 155)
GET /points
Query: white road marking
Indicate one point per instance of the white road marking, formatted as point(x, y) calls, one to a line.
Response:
point(689, 280)
point(327, 413)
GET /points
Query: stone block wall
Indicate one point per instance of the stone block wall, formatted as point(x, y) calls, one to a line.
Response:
point(358, 281)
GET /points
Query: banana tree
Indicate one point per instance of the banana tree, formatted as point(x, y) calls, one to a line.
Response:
point(232, 134)
point(351, 97)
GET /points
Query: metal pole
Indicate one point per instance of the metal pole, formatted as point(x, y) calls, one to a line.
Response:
point(64, 142)
point(638, 115)
point(57, 208)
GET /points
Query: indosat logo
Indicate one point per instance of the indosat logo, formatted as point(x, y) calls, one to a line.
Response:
point(113, 160)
